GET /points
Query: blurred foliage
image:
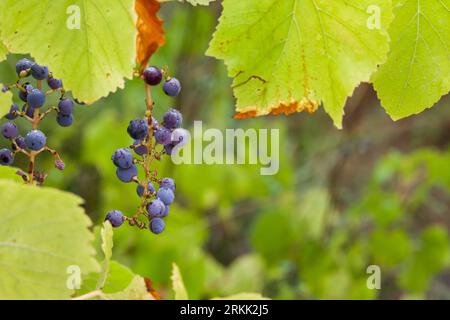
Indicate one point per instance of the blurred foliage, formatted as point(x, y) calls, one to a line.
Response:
point(375, 193)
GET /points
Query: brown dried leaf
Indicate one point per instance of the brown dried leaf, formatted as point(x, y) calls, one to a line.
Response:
point(150, 31)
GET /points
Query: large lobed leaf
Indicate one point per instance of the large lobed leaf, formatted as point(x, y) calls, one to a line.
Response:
point(43, 231)
point(291, 55)
point(93, 60)
point(417, 72)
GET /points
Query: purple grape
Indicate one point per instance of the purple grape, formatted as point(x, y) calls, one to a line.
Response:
point(122, 158)
point(166, 212)
point(9, 130)
point(64, 120)
point(172, 87)
point(29, 111)
point(163, 136)
point(166, 195)
point(115, 217)
point(24, 94)
point(35, 140)
point(60, 165)
point(11, 115)
point(6, 157)
point(139, 148)
point(23, 65)
point(140, 189)
point(65, 106)
point(157, 225)
point(39, 72)
point(5, 88)
point(127, 175)
point(54, 83)
point(155, 208)
point(168, 183)
point(138, 129)
point(20, 142)
point(36, 98)
point(152, 76)
point(172, 119)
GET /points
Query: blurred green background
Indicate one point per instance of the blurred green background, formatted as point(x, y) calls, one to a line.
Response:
point(374, 193)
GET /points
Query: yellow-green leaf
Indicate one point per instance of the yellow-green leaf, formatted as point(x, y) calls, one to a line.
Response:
point(107, 244)
point(90, 44)
point(45, 242)
point(291, 55)
point(178, 284)
point(417, 72)
point(137, 290)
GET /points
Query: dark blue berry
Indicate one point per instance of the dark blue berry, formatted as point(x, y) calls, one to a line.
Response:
point(155, 208)
point(36, 98)
point(22, 65)
point(54, 83)
point(172, 87)
point(20, 142)
point(64, 120)
point(157, 225)
point(9, 130)
point(152, 76)
point(163, 136)
point(35, 140)
point(172, 119)
point(6, 157)
point(11, 114)
point(139, 148)
point(166, 195)
point(168, 183)
point(65, 106)
point(138, 129)
point(127, 175)
point(115, 217)
point(122, 158)
point(39, 72)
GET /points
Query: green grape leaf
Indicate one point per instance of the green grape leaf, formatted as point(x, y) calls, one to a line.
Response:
point(289, 56)
point(44, 237)
point(90, 44)
point(107, 245)
point(417, 71)
point(137, 290)
point(9, 173)
point(178, 284)
point(5, 101)
point(243, 296)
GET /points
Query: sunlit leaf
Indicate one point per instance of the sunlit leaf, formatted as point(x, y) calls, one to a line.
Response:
point(44, 241)
point(178, 284)
point(289, 56)
point(90, 44)
point(417, 72)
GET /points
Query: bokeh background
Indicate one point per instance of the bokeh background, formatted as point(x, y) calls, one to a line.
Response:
point(376, 192)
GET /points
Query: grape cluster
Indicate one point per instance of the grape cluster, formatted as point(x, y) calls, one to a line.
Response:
point(152, 140)
point(34, 111)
